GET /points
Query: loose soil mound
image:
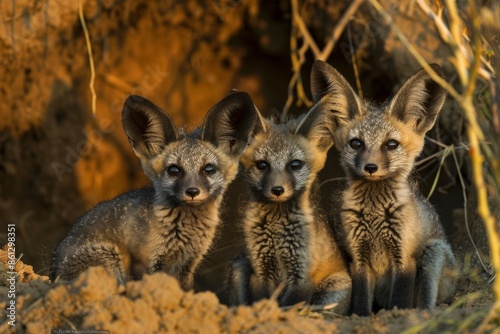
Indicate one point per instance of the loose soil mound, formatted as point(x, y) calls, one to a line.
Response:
point(157, 304)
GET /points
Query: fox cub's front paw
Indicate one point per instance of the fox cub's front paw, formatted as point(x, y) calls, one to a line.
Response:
point(296, 292)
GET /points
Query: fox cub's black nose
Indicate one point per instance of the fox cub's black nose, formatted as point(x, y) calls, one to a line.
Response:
point(371, 168)
point(192, 192)
point(277, 191)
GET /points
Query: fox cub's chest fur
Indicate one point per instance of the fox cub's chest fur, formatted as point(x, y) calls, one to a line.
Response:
point(276, 234)
point(377, 219)
point(181, 234)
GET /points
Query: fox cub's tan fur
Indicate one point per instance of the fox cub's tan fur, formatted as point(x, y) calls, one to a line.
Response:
point(170, 225)
point(397, 247)
point(288, 239)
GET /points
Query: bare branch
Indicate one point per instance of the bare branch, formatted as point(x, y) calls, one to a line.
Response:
point(339, 28)
point(91, 60)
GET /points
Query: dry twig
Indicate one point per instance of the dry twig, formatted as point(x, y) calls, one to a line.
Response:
point(91, 60)
point(339, 28)
point(308, 42)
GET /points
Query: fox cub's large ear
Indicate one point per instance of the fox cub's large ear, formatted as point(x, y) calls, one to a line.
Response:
point(260, 122)
point(419, 100)
point(331, 92)
point(230, 123)
point(318, 127)
point(148, 128)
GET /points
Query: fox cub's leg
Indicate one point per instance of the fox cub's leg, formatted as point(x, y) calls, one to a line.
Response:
point(334, 289)
point(103, 254)
point(187, 278)
point(296, 292)
point(363, 285)
point(403, 285)
point(260, 288)
point(238, 281)
point(184, 272)
point(436, 275)
point(293, 291)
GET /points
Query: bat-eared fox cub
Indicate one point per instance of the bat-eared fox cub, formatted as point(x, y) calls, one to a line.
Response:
point(288, 239)
point(398, 253)
point(170, 225)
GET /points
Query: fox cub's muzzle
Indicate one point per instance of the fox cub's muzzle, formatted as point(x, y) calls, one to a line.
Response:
point(192, 194)
point(278, 187)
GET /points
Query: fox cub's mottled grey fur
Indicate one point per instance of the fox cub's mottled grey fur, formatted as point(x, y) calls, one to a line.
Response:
point(287, 236)
point(397, 247)
point(170, 225)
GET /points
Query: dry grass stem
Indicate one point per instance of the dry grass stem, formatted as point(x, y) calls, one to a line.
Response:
point(466, 216)
point(297, 19)
point(308, 42)
point(354, 62)
point(456, 29)
point(339, 28)
point(91, 60)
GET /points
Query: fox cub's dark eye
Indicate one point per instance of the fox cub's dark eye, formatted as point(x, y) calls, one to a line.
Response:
point(296, 164)
point(174, 170)
point(262, 165)
point(356, 143)
point(392, 144)
point(209, 169)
